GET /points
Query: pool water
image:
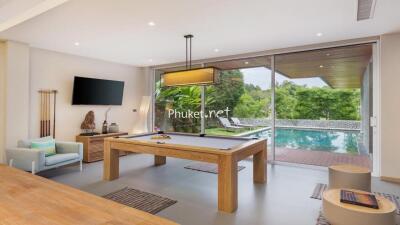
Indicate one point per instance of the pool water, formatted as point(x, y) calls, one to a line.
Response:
point(319, 140)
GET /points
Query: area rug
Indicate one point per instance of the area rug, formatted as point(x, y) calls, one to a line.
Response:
point(140, 200)
point(320, 188)
point(207, 167)
point(321, 220)
point(318, 191)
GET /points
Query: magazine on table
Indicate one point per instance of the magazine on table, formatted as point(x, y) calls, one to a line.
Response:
point(357, 198)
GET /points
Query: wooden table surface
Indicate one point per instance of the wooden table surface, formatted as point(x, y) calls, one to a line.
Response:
point(33, 200)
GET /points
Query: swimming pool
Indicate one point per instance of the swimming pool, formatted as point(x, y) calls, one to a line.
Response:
point(317, 140)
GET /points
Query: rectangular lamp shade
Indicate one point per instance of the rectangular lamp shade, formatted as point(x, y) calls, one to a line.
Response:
point(202, 76)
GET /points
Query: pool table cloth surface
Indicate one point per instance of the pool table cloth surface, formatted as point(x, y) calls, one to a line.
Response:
point(223, 143)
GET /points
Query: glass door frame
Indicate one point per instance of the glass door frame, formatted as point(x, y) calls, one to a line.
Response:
point(273, 108)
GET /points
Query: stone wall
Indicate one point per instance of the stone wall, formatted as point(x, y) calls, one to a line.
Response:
point(321, 124)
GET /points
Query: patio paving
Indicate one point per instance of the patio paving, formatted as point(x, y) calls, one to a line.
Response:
point(320, 158)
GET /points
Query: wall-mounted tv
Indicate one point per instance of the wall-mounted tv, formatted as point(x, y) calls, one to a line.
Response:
point(89, 91)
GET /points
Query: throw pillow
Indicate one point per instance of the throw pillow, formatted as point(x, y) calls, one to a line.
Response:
point(49, 146)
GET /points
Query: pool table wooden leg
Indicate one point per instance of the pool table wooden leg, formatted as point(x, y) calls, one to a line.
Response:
point(111, 162)
point(159, 160)
point(227, 184)
point(260, 167)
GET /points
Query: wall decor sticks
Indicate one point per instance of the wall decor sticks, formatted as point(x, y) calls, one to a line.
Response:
point(48, 112)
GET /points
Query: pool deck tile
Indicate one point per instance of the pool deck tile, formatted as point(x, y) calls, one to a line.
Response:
point(320, 158)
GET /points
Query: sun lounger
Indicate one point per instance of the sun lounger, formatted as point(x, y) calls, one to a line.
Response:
point(227, 125)
point(237, 122)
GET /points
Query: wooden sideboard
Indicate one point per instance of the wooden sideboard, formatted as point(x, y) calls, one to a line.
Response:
point(93, 146)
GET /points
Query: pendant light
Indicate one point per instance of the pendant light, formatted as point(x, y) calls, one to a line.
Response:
point(189, 76)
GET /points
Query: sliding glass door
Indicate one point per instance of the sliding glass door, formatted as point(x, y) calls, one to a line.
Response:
point(322, 100)
point(314, 107)
point(242, 98)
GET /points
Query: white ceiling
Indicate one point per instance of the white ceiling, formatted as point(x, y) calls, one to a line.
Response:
point(9, 8)
point(13, 12)
point(118, 30)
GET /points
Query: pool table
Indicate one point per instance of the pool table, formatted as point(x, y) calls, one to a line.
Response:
point(224, 151)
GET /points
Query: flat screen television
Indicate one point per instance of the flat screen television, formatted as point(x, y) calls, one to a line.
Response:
point(89, 91)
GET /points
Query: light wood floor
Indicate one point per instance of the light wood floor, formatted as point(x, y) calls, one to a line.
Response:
point(284, 200)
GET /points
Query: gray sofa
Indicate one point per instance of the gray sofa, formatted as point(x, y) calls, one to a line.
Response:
point(22, 157)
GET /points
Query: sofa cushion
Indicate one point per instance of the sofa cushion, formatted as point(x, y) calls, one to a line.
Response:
point(60, 158)
point(49, 146)
point(27, 142)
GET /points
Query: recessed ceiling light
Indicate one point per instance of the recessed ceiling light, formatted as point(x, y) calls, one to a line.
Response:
point(246, 63)
point(216, 50)
point(321, 66)
point(151, 23)
point(319, 34)
point(76, 43)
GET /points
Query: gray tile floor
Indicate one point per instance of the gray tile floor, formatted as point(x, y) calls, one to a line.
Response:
point(284, 200)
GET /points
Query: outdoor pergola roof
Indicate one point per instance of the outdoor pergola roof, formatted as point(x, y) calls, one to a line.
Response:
point(262, 61)
point(340, 67)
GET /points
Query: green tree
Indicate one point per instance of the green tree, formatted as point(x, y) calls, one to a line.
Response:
point(286, 101)
point(301, 102)
point(180, 99)
point(228, 92)
point(248, 107)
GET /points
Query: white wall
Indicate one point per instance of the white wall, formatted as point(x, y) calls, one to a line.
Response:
point(14, 94)
point(2, 99)
point(52, 70)
point(17, 92)
point(390, 105)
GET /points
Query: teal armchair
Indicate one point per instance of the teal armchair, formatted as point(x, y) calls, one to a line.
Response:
point(25, 158)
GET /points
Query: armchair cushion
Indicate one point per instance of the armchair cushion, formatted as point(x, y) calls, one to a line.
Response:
point(59, 158)
point(69, 147)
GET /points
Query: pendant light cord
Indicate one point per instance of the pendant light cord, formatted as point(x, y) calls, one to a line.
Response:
point(188, 38)
point(190, 59)
point(186, 52)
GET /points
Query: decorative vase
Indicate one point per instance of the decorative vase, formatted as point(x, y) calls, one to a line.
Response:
point(113, 128)
point(104, 129)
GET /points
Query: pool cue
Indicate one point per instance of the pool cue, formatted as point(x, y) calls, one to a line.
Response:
point(48, 113)
point(54, 113)
point(43, 107)
point(41, 114)
point(45, 114)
